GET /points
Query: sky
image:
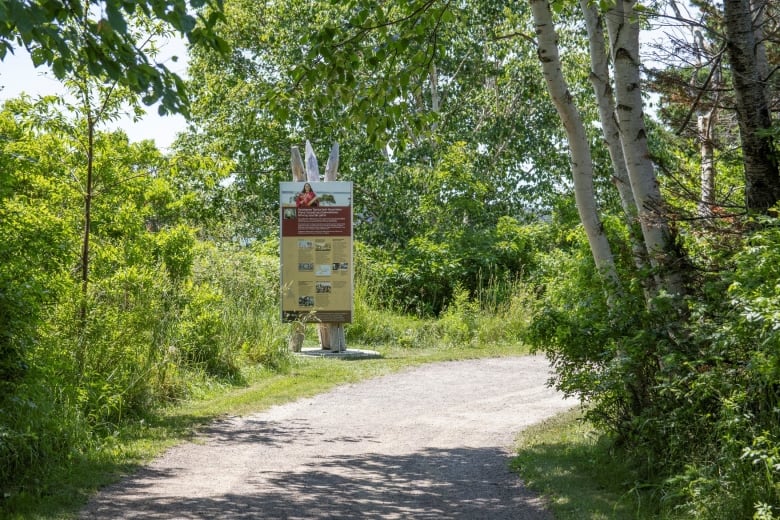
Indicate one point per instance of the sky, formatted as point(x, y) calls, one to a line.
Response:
point(17, 75)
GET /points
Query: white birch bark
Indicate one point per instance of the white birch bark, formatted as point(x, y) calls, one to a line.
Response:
point(312, 167)
point(706, 120)
point(296, 163)
point(434, 89)
point(602, 87)
point(705, 127)
point(706, 123)
point(579, 151)
point(623, 29)
point(332, 167)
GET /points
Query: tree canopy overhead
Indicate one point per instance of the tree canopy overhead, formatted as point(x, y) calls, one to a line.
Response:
point(66, 34)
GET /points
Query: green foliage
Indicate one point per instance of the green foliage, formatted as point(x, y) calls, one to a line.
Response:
point(445, 128)
point(422, 277)
point(504, 308)
point(593, 348)
point(453, 233)
point(199, 332)
point(374, 326)
point(161, 313)
point(488, 319)
point(732, 382)
point(581, 472)
point(695, 410)
point(204, 189)
point(39, 426)
point(176, 251)
point(248, 279)
point(34, 240)
point(267, 96)
point(67, 36)
point(458, 321)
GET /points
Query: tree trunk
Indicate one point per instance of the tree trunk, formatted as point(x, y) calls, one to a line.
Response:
point(87, 222)
point(579, 150)
point(623, 28)
point(762, 179)
point(758, 9)
point(602, 87)
point(706, 125)
point(435, 100)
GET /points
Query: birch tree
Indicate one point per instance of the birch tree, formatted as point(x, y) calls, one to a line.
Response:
point(602, 87)
point(625, 127)
point(623, 30)
point(707, 59)
point(579, 150)
point(747, 57)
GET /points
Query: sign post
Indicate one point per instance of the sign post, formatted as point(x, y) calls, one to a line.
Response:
point(316, 251)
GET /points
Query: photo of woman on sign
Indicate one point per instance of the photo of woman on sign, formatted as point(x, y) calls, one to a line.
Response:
point(307, 198)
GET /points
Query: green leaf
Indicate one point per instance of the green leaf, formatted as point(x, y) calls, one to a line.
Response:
point(39, 56)
point(115, 18)
point(58, 67)
point(187, 23)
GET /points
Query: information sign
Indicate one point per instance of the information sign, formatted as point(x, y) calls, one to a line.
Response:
point(316, 251)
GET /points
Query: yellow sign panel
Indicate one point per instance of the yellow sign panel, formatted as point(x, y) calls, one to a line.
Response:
point(316, 251)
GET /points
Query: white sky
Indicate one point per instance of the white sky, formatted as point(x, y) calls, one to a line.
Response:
point(18, 75)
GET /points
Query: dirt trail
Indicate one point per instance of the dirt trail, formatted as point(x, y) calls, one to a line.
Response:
point(428, 443)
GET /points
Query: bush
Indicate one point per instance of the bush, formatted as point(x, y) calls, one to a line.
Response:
point(694, 406)
point(374, 325)
point(146, 340)
point(459, 320)
point(422, 277)
point(725, 409)
point(39, 426)
point(249, 314)
point(200, 331)
point(504, 305)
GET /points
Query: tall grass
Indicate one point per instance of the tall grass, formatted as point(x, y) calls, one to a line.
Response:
point(496, 314)
point(152, 343)
point(251, 329)
point(148, 341)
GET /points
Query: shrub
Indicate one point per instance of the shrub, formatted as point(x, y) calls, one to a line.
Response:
point(694, 406)
point(249, 313)
point(725, 411)
point(458, 321)
point(200, 330)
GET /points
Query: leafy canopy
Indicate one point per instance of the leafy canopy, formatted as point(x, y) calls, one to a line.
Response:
point(63, 34)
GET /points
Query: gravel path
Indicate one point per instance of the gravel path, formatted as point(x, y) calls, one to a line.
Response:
point(428, 443)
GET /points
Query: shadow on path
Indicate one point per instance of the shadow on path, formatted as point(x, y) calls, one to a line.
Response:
point(429, 484)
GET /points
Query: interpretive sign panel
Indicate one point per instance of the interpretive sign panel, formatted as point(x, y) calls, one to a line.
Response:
point(316, 251)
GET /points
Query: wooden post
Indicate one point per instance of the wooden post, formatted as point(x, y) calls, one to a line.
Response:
point(331, 335)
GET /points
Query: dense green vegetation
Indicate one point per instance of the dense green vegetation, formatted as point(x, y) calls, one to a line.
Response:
point(132, 281)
